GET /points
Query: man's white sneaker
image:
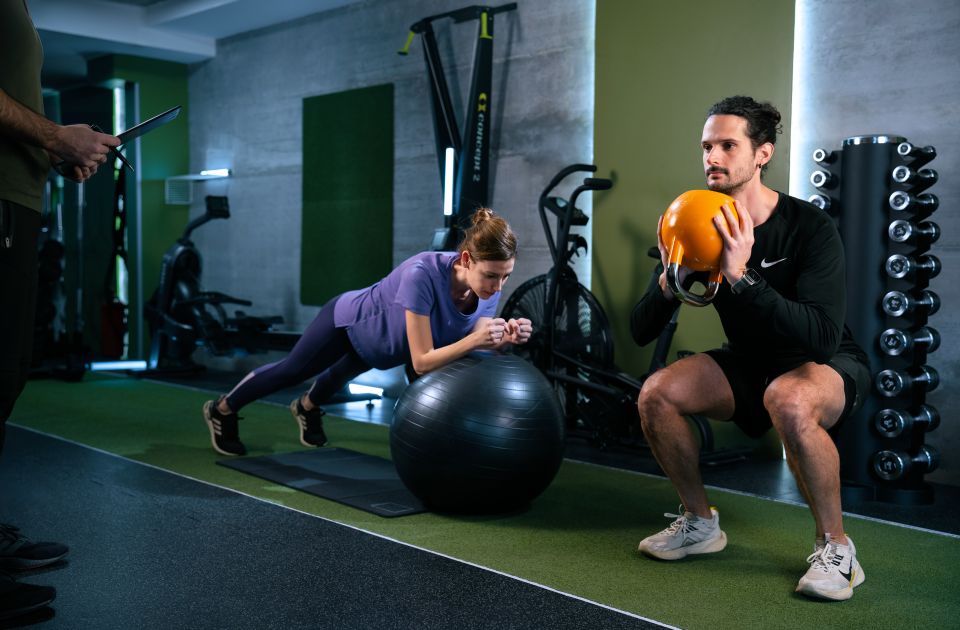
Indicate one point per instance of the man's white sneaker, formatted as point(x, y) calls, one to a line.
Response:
point(834, 571)
point(687, 535)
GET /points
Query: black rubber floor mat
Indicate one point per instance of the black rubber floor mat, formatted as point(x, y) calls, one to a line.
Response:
point(362, 481)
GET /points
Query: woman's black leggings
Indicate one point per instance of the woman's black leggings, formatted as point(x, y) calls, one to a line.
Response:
point(323, 350)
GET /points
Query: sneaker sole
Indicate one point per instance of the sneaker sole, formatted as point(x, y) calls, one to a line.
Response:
point(24, 610)
point(707, 546)
point(810, 588)
point(25, 564)
point(213, 431)
point(296, 418)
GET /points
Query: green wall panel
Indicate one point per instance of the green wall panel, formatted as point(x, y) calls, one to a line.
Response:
point(347, 191)
point(659, 67)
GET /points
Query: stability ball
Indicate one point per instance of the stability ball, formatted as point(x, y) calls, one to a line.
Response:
point(692, 240)
point(482, 434)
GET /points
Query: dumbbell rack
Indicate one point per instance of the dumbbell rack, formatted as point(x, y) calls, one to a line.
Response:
point(874, 186)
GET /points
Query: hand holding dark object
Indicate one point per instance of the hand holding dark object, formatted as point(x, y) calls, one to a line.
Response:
point(82, 145)
point(88, 145)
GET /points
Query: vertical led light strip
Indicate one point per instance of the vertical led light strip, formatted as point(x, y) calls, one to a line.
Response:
point(119, 117)
point(448, 182)
point(799, 153)
point(799, 100)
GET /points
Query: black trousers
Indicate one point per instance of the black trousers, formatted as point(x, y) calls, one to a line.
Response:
point(19, 229)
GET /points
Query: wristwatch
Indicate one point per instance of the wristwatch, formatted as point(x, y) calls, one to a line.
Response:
point(748, 279)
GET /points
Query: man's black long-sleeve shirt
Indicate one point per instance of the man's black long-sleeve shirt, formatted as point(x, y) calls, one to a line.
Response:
point(796, 313)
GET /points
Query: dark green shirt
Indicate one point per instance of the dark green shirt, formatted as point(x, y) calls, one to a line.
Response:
point(23, 168)
point(796, 313)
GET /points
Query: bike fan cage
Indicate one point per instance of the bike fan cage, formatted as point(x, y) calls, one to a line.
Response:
point(471, 151)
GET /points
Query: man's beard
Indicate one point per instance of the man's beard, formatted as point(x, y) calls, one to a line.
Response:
point(732, 185)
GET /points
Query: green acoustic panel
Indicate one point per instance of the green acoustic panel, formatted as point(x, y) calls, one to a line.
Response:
point(347, 237)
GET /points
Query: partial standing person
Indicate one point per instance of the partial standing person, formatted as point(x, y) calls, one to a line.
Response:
point(29, 145)
point(790, 362)
point(433, 308)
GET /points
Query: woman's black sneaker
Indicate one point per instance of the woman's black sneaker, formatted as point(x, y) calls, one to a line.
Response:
point(310, 424)
point(224, 430)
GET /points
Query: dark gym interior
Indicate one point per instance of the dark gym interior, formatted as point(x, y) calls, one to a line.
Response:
point(305, 149)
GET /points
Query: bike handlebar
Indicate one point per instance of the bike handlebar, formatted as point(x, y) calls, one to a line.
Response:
point(573, 168)
point(597, 183)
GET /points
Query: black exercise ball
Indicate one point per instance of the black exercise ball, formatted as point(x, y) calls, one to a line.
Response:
point(482, 434)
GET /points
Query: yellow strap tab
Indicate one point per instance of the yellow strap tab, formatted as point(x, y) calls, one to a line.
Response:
point(483, 27)
point(406, 47)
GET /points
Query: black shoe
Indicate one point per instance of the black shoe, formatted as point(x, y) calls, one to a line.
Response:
point(18, 599)
point(224, 430)
point(310, 424)
point(18, 553)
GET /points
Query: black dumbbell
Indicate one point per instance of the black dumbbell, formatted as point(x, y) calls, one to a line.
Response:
point(821, 201)
point(919, 155)
point(824, 179)
point(924, 203)
point(891, 423)
point(920, 234)
point(898, 303)
point(906, 175)
point(892, 383)
point(900, 266)
point(895, 342)
point(893, 465)
point(822, 156)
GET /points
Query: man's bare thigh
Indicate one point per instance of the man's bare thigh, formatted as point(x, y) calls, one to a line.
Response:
point(695, 385)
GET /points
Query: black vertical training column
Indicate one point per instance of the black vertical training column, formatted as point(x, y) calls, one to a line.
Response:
point(874, 185)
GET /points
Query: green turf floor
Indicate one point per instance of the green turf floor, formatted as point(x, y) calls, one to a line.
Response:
point(578, 537)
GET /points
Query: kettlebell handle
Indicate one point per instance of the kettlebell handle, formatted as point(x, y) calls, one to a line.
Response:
point(689, 297)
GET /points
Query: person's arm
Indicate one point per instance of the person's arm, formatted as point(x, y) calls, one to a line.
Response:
point(651, 313)
point(815, 319)
point(77, 145)
point(486, 334)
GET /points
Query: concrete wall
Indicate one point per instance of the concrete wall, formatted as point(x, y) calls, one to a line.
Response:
point(246, 107)
point(886, 67)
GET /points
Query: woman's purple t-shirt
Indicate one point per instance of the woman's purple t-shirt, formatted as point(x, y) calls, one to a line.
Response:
point(375, 317)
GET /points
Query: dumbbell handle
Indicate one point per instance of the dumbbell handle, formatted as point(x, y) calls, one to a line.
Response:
point(895, 341)
point(891, 423)
point(893, 465)
point(897, 303)
point(892, 383)
point(900, 266)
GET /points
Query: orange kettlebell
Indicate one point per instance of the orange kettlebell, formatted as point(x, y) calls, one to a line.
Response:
point(692, 240)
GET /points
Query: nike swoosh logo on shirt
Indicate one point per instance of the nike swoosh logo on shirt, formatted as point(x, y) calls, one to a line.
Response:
point(764, 264)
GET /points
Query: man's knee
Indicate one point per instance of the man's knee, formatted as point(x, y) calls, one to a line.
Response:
point(792, 412)
point(658, 402)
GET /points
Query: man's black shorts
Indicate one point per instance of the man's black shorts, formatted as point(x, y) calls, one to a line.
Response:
point(749, 381)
